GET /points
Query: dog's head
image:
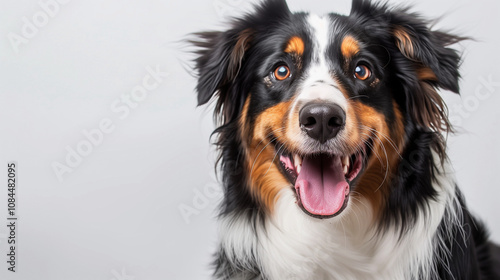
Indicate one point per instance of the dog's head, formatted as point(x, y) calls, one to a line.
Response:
point(323, 106)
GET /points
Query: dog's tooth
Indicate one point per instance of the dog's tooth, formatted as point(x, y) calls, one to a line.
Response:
point(345, 169)
point(297, 160)
point(345, 161)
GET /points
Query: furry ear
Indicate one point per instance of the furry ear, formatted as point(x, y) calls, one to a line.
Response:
point(435, 62)
point(435, 66)
point(219, 61)
point(221, 56)
point(421, 58)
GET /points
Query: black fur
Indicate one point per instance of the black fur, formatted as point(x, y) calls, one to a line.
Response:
point(465, 252)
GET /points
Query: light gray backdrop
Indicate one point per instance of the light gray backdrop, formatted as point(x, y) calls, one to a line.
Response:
point(102, 178)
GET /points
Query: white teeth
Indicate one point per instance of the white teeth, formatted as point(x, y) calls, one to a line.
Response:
point(345, 164)
point(297, 160)
point(345, 160)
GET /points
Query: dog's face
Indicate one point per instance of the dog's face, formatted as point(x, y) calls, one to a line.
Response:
point(322, 106)
point(319, 100)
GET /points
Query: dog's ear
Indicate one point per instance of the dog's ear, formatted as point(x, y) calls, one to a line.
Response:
point(421, 58)
point(434, 66)
point(221, 57)
point(435, 62)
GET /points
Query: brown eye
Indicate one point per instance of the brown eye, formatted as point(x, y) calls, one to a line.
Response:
point(282, 72)
point(362, 72)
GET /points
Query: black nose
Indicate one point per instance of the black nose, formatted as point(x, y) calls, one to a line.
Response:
point(321, 121)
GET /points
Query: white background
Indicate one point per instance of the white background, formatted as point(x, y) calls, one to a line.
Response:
point(116, 215)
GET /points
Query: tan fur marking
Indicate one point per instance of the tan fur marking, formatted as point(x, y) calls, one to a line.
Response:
point(349, 47)
point(426, 74)
point(404, 42)
point(342, 89)
point(385, 153)
point(266, 180)
point(244, 122)
point(238, 52)
point(295, 45)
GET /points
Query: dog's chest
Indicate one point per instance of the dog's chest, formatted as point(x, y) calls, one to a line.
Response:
point(295, 246)
point(291, 245)
point(331, 255)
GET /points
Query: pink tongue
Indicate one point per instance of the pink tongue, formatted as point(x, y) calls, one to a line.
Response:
point(321, 185)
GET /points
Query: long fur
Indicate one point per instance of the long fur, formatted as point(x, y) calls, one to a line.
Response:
point(420, 227)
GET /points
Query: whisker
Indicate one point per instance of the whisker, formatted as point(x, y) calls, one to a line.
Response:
point(345, 235)
point(275, 155)
point(383, 135)
point(269, 134)
point(372, 148)
point(387, 163)
point(356, 214)
point(272, 140)
point(255, 160)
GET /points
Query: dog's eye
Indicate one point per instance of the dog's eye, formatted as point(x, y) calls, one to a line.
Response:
point(362, 72)
point(282, 72)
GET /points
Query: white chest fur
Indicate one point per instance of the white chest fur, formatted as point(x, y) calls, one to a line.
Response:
point(292, 245)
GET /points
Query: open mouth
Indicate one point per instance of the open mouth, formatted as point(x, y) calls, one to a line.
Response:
point(322, 181)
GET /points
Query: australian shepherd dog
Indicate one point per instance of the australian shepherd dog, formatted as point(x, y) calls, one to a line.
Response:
point(331, 135)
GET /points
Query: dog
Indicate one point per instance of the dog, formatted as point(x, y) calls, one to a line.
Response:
point(332, 146)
